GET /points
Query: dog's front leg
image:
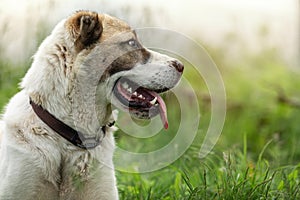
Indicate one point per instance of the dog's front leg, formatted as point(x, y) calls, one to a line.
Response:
point(102, 186)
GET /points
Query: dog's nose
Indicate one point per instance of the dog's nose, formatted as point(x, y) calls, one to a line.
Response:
point(178, 65)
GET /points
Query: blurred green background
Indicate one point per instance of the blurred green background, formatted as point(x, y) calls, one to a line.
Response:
point(257, 155)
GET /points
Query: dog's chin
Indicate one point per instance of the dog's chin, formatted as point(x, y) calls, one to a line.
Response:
point(142, 103)
point(143, 113)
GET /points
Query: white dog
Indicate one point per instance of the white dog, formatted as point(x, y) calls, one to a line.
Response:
point(57, 138)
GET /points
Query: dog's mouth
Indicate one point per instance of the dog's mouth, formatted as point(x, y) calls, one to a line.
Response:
point(141, 102)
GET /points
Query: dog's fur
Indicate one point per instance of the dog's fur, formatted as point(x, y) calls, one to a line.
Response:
point(72, 77)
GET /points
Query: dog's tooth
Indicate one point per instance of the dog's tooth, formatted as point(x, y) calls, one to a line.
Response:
point(125, 85)
point(140, 96)
point(153, 101)
point(135, 94)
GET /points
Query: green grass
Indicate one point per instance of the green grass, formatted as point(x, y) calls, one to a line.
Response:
point(10, 76)
point(217, 177)
point(257, 155)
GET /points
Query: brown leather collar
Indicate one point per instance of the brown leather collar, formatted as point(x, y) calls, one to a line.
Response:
point(73, 136)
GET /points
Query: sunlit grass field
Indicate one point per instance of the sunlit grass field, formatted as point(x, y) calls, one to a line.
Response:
point(257, 155)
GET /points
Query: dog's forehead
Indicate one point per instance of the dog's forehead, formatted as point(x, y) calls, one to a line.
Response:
point(112, 26)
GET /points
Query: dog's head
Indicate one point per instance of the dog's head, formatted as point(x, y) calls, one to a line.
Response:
point(97, 53)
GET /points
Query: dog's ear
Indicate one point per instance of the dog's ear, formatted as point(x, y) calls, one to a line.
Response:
point(85, 27)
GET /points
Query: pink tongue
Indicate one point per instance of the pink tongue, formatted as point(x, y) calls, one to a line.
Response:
point(162, 109)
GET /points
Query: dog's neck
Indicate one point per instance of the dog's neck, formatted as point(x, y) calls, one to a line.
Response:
point(89, 106)
point(84, 113)
point(75, 100)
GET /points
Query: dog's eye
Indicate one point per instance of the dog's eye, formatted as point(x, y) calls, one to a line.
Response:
point(132, 43)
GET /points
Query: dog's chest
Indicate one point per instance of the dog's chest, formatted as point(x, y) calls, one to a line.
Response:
point(76, 171)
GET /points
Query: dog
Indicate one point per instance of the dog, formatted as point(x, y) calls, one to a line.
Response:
point(57, 132)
